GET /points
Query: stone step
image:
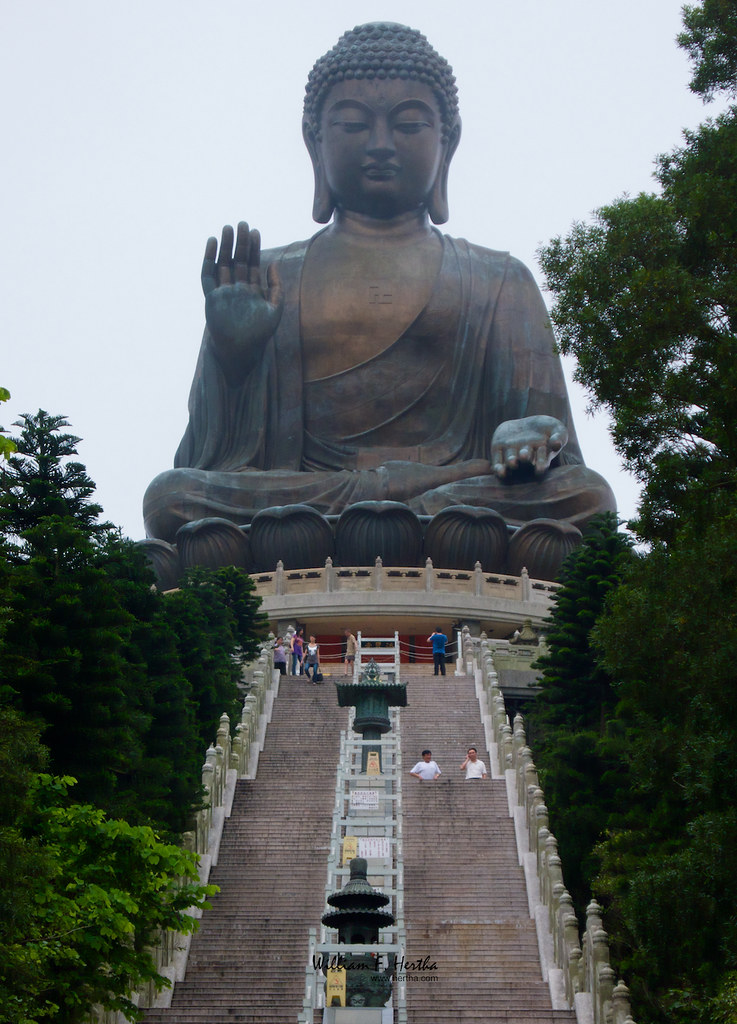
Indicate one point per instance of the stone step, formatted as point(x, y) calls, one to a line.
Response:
point(247, 960)
point(465, 900)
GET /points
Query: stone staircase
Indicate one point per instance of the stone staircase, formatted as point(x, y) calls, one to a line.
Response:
point(247, 960)
point(465, 899)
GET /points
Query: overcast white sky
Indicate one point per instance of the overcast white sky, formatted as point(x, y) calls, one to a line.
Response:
point(135, 129)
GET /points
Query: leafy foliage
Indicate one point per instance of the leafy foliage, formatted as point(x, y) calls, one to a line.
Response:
point(126, 686)
point(39, 482)
point(106, 889)
point(163, 783)
point(646, 298)
point(6, 445)
point(710, 40)
point(670, 641)
point(63, 658)
point(570, 724)
point(24, 864)
point(215, 619)
point(235, 589)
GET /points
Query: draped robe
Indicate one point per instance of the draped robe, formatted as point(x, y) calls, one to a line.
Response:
point(480, 353)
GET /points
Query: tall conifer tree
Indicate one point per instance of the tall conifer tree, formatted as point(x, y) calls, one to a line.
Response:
point(63, 655)
point(571, 727)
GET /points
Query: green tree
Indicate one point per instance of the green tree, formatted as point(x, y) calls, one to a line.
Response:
point(106, 889)
point(237, 591)
point(24, 863)
point(164, 784)
point(63, 659)
point(710, 39)
point(670, 642)
point(90, 663)
point(571, 728)
point(88, 653)
point(62, 663)
point(646, 299)
point(208, 644)
point(40, 481)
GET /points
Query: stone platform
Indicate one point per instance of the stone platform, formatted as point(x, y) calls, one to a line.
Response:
point(381, 599)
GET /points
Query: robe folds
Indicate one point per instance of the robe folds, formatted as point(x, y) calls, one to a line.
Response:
point(399, 425)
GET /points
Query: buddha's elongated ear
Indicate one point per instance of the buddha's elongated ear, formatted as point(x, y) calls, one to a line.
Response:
point(437, 205)
point(323, 204)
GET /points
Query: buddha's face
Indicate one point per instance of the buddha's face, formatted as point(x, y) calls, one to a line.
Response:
point(381, 147)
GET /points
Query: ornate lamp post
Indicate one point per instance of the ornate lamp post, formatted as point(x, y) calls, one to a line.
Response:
point(358, 917)
point(372, 697)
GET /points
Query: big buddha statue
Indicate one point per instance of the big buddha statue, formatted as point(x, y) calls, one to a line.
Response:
point(379, 365)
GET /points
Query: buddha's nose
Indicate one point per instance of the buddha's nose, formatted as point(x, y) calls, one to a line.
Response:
point(380, 143)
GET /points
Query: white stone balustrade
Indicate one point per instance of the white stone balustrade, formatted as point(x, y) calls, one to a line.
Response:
point(393, 591)
point(328, 579)
point(588, 978)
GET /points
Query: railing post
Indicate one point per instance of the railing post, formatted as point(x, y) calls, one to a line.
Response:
point(378, 574)
point(467, 652)
point(620, 1003)
point(208, 784)
point(223, 735)
point(506, 746)
point(478, 580)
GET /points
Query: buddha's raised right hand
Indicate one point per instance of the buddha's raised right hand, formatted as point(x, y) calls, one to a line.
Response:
point(241, 314)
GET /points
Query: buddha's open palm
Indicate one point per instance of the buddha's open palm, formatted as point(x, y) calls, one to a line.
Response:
point(241, 314)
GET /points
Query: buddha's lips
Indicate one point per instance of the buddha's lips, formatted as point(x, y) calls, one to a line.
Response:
point(380, 171)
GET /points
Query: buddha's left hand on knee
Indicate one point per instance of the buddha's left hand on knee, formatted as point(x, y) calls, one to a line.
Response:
point(531, 441)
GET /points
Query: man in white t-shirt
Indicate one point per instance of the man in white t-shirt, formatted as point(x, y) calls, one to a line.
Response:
point(427, 770)
point(473, 768)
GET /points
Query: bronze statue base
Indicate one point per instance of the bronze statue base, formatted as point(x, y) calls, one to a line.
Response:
point(299, 537)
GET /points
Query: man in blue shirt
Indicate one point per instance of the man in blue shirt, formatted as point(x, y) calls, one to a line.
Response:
point(439, 640)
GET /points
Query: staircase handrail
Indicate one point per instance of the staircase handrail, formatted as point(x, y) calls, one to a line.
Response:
point(371, 645)
point(588, 975)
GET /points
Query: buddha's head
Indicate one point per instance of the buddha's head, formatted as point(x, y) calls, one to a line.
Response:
point(381, 124)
